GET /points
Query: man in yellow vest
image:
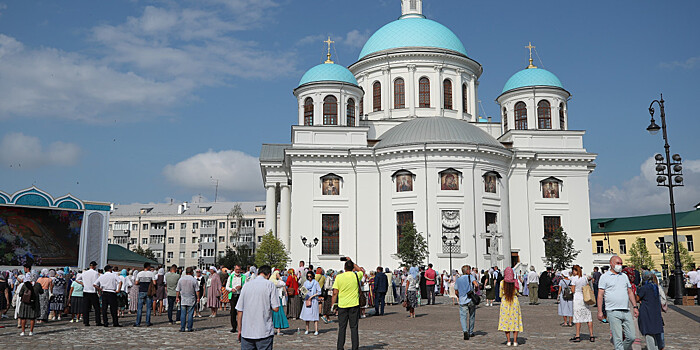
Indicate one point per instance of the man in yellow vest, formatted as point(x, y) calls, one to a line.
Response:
point(233, 285)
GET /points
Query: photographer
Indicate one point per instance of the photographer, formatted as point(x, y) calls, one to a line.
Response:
point(347, 294)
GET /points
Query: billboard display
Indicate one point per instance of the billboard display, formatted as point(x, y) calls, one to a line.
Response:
point(42, 236)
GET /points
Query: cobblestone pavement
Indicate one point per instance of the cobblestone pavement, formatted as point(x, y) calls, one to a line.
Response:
point(435, 326)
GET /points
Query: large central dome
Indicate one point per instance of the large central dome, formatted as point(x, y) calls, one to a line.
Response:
point(413, 32)
point(436, 130)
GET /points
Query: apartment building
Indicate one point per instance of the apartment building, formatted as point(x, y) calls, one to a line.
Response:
point(187, 234)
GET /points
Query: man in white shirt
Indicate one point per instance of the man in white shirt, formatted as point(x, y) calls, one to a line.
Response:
point(533, 285)
point(615, 287)
point(143, 281)
point(109, 285)
point(233, 286)
point(255, 306)
point(90, 298)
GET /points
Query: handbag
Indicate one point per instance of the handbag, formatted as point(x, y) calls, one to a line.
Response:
point(307, 303)
point(362, 296)
point(588, 296)
point(476, 299)
point(151, 289)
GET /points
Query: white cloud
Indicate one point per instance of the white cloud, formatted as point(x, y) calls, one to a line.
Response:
point(353, 39)
point(356, 39)
point(690, 63)
point(26, 152)
point(144, 67)
point(640, 195)
point(238, 173)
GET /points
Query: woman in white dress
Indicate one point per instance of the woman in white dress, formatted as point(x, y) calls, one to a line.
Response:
point(581, 312)
point(453, 280)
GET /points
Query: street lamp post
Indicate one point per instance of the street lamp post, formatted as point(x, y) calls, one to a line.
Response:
point(669, 174)
point(663, 247)
point(309, 245)
point(450, 243)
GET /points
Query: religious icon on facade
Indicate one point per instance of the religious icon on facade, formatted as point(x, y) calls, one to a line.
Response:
point(490, 183)
point(449, 181)
point(550, 189)
point(404, 183)
point(331, 186)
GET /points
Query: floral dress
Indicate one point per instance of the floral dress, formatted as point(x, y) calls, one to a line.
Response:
point(510, 319)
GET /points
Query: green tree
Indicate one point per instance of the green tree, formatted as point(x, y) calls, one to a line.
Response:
point(687, 260)
point(236, 215)
point(146, 253)
point(232, 258)
point(271, 252)
point(639, 254)
point(559, 250)
point(413, 249)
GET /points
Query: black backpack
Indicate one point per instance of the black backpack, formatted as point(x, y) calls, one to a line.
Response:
point(28, 295)
point(566, 294)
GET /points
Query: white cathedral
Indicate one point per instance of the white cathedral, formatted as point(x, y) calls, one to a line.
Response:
point(396, 137)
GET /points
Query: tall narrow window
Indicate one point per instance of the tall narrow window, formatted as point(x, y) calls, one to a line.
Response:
point(447, 92)
point(330, 236)
point(689, 241)
point(330, 110)
point(413, 4)
point(465, 101)
point(521, 116)
point(505, 120)
point(623, 246)
point(351, 112)
point(544, 115)
point(599, 249)
point(309, 111)
point(377, 96)
point(402, 218)
point(551, 225)
point(362, 107)
point(424, 93)
point(399, 94)
point(562, 123)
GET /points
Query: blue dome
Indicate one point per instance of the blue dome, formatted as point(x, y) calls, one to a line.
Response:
point(532, 77)
point(412, 32)
point(328, 72)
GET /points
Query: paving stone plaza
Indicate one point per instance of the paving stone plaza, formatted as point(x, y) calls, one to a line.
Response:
point(434, 327)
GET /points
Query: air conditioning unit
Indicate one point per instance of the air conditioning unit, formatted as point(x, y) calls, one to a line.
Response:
point(168, 260)
point(194, 230)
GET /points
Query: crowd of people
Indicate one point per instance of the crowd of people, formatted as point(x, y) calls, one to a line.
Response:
point(630, 300)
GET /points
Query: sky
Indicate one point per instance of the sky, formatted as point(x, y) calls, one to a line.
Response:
point(147, 101)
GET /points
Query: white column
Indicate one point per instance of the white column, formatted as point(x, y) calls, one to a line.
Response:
point(410, 88)
point(473, 102)
point(386, 91)
point(271, 209)
point(285, 214)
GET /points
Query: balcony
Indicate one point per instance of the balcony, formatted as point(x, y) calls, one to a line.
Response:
point(120, 233)
point(246, 230)
point(156, 246)
point(157, 232)
point(207, 245)
point(207, 231)
point(209, 260)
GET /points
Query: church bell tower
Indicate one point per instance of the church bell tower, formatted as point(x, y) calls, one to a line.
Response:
point(412, 9)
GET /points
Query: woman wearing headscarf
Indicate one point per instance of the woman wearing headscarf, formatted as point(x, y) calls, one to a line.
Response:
point(279, 318)
point(411, 291)
point(396, 283)
point(133, 292)
point(45, 281)
point(309, 311)
point(123, 294)
point(509, 319)
point(30, 309)
point(76, 300)
point(4, 293)
point(650, 301)
point(294, 302)
point(213, 291)
point(16, 298)
point(389, 298)
point(57, 298)
point(327, 301)
point(566, 307)
point(489, 286)
point(161, 293)
point(451, 289)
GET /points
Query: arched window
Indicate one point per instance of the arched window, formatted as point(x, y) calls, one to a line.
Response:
point(351, 112)
point(520, 116)
point(465, 101)
point(362, 106)
point(562, 123)
point(399, 94)
point(505, 120)
point(544, 115)
point(376, 96)
point(447, 91)
point(330, 110)
point(309, 111)
point(424, 93)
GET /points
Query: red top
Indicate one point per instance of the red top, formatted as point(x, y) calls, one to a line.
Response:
point(430, 274)
point(292, 283)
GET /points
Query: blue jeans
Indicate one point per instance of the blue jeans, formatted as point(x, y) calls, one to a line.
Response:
point(186, 315)
point(621, 322)
point(257, 344)
point(464, 311)
point(144, 298)
point(379, 298)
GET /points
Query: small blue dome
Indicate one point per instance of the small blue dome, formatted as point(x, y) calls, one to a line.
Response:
point(412, 32)
point(532, 77)
point(328, 72)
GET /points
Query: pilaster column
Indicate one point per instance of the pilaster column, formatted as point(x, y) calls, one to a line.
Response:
point(386, 91)
point(437, 88)
point(411, 90)
point(285, 214)
point(473, 102)
point(271, 209)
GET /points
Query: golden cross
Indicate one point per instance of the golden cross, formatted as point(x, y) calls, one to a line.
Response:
point(328, 56)
point(530, 47)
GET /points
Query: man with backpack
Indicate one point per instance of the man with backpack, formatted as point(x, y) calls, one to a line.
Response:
point(464, 288)
point(346, 292)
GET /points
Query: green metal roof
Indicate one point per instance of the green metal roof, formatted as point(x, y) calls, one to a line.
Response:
point(116, 252)
point(646, 222)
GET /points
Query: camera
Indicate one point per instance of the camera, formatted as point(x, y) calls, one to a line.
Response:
point(343, 258)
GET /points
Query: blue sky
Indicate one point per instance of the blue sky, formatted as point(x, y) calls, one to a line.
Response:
point(143, 101)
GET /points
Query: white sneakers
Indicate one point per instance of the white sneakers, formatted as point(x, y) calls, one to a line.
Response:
point(512, 344)
point(30, 334)
point(316, 333)
point(307, 332)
